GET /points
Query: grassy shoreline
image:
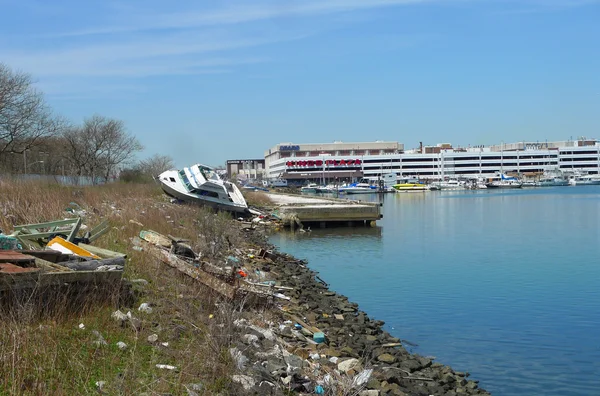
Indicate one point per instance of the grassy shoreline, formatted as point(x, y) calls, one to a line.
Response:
point(39, 354)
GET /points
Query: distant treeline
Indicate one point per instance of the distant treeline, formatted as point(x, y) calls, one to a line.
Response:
point(35, 140)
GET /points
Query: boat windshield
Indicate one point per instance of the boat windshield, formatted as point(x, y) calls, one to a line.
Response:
point(208, 173)
point(185, 180)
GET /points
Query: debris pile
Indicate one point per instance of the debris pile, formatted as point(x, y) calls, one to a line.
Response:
point(54, 254)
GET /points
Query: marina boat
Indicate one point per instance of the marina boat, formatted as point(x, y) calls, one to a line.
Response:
point(552, 182)
point(452, 184)
point(201, 184)
point(326, 189)
point(504, 184)
point(504, 181)
point(411, 185)
point(310, 188)
point(358, 188)
point(584, 180)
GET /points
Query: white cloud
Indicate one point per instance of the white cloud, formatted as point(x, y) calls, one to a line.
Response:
point(235, 14)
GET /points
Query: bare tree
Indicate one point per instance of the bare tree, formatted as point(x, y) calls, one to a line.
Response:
point(24, 115)
point(100, 147)
point(155, 165)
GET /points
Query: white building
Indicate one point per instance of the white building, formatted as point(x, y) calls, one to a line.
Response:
point(349, 161)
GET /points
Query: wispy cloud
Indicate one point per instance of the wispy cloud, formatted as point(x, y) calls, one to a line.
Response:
point(236, 14)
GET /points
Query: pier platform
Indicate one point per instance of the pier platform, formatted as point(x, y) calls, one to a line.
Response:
point(299, 211)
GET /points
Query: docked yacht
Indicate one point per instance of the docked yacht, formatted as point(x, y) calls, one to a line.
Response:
point(451, 184)
point(584, 180)
point(552, 181)
point(201, 184)
point(358, 188)
point(310, 188)
point(504, 181)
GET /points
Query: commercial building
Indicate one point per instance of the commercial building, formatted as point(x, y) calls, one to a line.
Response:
point(349, 161)
point(246, 168)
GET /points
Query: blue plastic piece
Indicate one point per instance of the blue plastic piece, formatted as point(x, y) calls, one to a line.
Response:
point(319, 390)
point(319, 337)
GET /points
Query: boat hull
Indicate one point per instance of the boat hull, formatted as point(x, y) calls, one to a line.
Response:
point(187, 197)
point(411, 187)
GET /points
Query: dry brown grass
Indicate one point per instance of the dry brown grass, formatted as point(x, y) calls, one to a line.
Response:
point(257, 198)
point(50, 354)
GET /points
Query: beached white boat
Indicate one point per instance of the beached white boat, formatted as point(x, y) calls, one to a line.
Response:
point(201, 184)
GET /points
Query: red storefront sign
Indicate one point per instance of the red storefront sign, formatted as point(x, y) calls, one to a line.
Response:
point(329, 162)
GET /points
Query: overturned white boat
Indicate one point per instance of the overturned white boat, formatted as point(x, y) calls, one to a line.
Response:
point(201, 184)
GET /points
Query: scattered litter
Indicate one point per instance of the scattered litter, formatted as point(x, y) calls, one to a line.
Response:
point(165, 344)
point(319, 390)
point(81, 326)
point(100, 384)
point(121, 345)
point(153, 338)
point(117, 315)
point(362, 378)
point(145, 307)
point(166, 366)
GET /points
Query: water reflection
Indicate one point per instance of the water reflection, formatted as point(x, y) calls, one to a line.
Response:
point(504, 284)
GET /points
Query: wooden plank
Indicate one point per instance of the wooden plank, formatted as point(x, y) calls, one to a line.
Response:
point(99, 230)
point(210, 281)
point(104, 253)
point(75, 230)
point(155, 238)
point(11, 256)
point(49, 224)
point(43, 279)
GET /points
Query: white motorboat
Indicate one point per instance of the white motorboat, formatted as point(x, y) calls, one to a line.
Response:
point(584, 180)
point(504, 181)
point(358, 188)
point(451, 184)
point(552, 182)
point(201, 184)
point(310, 188)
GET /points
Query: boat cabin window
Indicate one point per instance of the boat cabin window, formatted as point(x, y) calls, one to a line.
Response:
point(206, 193)
point(172, 179)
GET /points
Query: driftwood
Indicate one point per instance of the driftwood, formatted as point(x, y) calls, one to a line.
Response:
point(92, 265)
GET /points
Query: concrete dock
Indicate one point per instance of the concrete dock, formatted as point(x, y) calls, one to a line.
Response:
point(299, 211)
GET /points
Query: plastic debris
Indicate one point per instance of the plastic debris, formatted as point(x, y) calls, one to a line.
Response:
point(319, 390)
point(166, 366)
point(121, 345)
point(319, 337)
point(145, 307)
point(81, 326)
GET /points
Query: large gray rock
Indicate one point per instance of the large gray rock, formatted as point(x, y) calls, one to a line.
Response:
point(349, 364)
point(246, 381)
point(386, 358)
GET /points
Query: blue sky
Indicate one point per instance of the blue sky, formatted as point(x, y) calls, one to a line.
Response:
point(206, 81)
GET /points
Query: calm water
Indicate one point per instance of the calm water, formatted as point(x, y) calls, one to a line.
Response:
point(503, 284)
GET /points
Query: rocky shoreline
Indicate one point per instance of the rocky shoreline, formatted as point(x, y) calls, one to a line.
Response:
point(357, 356)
